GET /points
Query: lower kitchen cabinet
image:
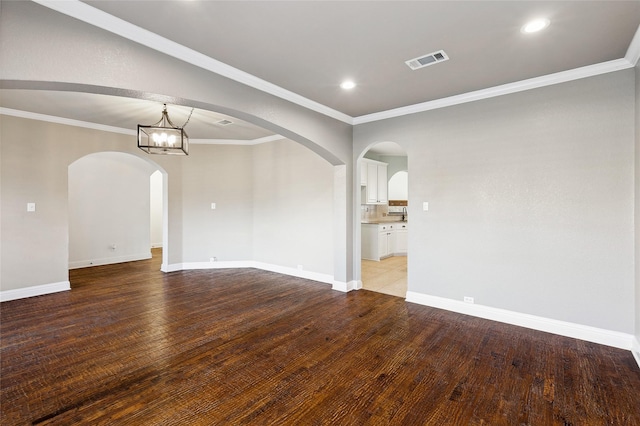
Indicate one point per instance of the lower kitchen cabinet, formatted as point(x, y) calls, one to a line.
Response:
point(386, 241)
point(401, 240)
point(383, 240)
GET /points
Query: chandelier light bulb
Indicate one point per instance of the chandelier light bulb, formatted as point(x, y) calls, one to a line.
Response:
point(164, 137)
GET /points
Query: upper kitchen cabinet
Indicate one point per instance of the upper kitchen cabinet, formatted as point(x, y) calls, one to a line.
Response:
point(376, 181)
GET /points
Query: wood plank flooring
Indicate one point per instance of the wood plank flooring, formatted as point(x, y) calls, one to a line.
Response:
point(129, 345)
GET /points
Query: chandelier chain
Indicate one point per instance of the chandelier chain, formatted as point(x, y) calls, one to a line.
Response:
point(188, 118)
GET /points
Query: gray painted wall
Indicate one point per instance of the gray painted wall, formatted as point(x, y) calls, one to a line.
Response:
point(531, 194)
point(35, 159)
point(287, 183)
point(530, 200)
point(220, 174)
point(293, 205)
point(81, 57)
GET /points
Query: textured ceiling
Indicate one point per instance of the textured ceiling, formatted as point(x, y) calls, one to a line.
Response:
point(309, 47)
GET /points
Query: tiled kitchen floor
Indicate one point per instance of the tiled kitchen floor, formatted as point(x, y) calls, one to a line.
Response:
point(389, 276)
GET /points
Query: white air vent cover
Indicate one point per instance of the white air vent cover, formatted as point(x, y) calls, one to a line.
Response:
point(224, 122)
point(426, 60)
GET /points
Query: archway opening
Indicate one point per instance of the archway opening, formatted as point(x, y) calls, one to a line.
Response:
point(340, 273)
point(384, 222)
point(112, 199)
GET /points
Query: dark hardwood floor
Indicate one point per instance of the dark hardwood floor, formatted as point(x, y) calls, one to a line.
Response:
point(130, 345)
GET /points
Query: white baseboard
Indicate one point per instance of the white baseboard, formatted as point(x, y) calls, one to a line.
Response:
point(635, 349)
point(36, 290)
point(294, 272)
point(346, 287)
point(188, 266)
point(562, 328)
point(109, 260)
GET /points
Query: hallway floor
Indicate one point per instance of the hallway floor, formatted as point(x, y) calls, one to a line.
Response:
point(389, 276)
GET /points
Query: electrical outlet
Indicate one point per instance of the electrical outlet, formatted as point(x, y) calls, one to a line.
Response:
point(468, 299)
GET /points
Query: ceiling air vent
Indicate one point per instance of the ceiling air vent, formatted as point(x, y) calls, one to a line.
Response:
point(426, 60)
point(224, 122)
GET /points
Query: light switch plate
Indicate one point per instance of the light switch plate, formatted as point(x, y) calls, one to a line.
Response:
point(425, 206)
point(31, 207)
point(213, 206)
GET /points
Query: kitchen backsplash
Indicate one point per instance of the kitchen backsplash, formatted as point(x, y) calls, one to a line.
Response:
point(371, 212)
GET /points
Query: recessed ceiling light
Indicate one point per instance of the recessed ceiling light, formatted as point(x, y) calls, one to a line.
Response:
point(347, 85)
point(535, 26)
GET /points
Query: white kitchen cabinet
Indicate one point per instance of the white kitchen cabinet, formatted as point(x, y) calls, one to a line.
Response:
point(376, 182)
point(381, 240)
point(401, 239)
point(386, 240)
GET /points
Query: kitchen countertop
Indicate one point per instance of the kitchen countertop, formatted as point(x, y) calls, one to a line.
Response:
point(378, 222)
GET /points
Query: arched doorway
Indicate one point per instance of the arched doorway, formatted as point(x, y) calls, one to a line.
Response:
point(110, 208)
point(384, 226)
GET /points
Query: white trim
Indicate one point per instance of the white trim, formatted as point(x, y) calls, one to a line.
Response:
point(257, 141)
point(36, 290)
point(505, 89)
point(174, 267)
point(129, 132)
point(563, 328)
point(294, 272)
point(66, 121)
point(635, 349)
point(100, 19)
point(346, 287)
point(633, 52)
point(109, 260)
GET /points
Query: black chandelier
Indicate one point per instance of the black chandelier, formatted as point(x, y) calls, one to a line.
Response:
point(164, 137)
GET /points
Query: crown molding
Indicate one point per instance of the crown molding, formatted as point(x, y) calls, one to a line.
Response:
point(633, 52)
point(128, 132)
point(100, 19)
point(505, 89)
point(249, 142)
point(83, 12)
point(65, 121)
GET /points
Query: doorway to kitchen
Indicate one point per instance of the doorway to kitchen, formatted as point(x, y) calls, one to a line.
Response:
point(384, 220)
